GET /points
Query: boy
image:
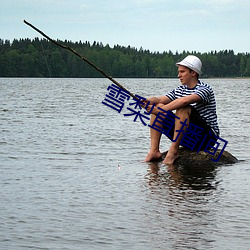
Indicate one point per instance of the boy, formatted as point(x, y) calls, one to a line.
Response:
point(194, 103)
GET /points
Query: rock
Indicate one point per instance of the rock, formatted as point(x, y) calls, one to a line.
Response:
point(187, 157)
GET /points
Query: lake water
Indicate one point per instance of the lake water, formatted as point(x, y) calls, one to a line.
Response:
point(72, 174)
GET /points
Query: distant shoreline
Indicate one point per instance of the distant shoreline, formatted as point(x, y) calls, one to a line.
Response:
point(41, 58)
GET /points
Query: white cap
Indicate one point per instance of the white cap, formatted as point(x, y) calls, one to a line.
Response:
point(191, 62)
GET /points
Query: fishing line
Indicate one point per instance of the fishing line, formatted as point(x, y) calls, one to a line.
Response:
point(82, 57)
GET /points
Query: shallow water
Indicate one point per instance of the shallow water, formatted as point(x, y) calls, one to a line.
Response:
point(72, 175)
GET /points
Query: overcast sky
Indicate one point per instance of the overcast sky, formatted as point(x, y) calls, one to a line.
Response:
point(157, 25)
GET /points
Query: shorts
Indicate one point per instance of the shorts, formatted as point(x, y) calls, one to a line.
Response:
point(196, 143)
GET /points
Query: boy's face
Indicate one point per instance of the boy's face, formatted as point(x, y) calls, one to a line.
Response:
point(185, 75)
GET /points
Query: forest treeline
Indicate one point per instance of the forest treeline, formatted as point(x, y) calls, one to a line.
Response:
point(41, 58)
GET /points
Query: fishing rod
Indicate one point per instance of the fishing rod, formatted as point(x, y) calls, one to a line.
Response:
point(82, 57)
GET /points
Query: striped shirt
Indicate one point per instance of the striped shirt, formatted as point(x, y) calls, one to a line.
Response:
point(206, 108)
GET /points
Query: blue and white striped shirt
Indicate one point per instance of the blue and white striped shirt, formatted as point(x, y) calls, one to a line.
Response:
point(206, 108)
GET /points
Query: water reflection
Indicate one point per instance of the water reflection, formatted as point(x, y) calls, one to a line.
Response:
point(183, 176)
point(183, 197)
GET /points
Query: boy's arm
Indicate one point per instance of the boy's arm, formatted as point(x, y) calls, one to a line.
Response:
point(158, 99)
point(178, 103)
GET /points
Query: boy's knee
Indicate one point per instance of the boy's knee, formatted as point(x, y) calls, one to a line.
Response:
point(186, 110)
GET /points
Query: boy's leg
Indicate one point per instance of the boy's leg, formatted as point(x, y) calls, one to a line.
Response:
point(206, 133)
point(155, 137)
point(188, 113)
point(173, 152)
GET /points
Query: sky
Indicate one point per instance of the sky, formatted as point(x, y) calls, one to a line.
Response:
point(155, 25)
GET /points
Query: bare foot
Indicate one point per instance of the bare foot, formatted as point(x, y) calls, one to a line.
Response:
point(170, 157)
point(153, 156)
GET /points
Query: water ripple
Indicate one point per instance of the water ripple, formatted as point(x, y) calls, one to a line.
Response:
point(72, 175)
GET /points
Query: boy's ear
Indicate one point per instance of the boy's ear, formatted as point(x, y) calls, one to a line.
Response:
point(193, 73)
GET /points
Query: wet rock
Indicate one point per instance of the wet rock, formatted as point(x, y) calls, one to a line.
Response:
point(187, 157)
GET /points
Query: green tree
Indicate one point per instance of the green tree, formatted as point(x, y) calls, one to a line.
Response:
point(247, 69)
